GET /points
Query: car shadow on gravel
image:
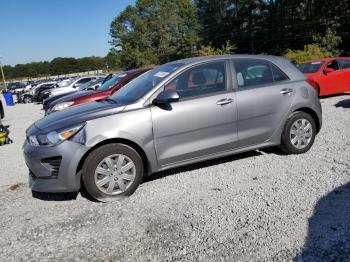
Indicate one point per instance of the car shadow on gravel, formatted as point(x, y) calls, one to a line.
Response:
point(55, 196)
point(200, 165)
point(344, 103)
point(328, 236)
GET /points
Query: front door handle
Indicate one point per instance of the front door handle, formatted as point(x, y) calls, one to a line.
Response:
point(286, 91)
point(224, 101)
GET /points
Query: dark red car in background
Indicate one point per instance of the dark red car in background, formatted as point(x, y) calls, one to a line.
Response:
point(105, 90)
point(329, 75)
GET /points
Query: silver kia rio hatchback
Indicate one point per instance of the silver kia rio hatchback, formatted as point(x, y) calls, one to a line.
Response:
point(176, 114)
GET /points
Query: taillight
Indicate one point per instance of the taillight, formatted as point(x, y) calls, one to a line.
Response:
point(312, 83)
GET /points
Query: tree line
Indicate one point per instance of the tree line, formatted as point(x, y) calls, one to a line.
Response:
point(57, 66)
point(158, 31)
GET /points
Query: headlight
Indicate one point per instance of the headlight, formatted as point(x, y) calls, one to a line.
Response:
point(54, 137)
point(62, 106)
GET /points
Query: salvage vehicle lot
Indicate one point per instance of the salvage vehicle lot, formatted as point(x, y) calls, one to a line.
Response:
point(260, 205)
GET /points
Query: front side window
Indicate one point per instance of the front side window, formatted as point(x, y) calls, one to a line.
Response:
point(257, 72)
point(333, 65)
point(84, 80)
point(200, 80)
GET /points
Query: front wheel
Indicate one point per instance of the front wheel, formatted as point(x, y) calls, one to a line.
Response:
point(299, 133)
point(112, 171)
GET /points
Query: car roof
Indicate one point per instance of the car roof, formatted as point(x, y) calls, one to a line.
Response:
point(326, 59)
point(217, 57)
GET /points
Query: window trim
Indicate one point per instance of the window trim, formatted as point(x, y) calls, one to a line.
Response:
point(229, 84)
point(234, 74)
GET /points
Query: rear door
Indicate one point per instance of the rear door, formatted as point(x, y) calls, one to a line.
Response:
point(264, 96)
point(203, 121)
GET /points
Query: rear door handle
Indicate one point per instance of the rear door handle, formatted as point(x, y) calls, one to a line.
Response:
point(286, 91)
point(224, 101)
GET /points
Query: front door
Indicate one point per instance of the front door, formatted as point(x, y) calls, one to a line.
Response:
point(345, 74)
point(331, 83)
point(202, 122)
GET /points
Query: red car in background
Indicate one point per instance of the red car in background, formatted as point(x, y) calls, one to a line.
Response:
point(330, 75)
point(105, 90)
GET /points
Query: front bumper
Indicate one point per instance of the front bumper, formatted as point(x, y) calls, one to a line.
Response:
point(53, 169)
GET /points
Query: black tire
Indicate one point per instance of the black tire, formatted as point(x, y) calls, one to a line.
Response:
point(93, 160)
point(26, 100)
point(286, 144)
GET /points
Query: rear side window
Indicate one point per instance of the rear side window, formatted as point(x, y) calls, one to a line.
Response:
point(344, 64)
point(278, 74)
point(257, 72)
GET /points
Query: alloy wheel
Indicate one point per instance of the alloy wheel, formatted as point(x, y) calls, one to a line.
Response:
point(115, 174)
point(300, 134)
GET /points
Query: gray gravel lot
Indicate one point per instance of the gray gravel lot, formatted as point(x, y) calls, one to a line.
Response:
point(257, 206)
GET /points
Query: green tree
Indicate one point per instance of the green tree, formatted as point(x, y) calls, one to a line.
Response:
point(209, 50)
point(155, 31)
point(113, 59)
point(312, 51)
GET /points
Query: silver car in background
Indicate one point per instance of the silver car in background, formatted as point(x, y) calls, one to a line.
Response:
point(176, 114)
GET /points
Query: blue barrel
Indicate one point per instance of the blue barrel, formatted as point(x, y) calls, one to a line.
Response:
point(8, 98)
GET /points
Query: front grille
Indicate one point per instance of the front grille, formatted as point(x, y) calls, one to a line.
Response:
point(53, 164)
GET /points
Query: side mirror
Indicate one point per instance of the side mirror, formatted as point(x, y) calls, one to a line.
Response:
point(328, 70)
point(166, 97)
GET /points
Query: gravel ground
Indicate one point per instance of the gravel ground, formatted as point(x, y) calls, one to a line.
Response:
point(257, 206)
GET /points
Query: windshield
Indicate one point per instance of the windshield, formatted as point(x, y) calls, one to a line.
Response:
point(112, 82)
point(91, 83)
point(310, 67)
point(140, 86)
point(65, 83)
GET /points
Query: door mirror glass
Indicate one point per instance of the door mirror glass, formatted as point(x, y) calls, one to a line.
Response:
point(166, 97)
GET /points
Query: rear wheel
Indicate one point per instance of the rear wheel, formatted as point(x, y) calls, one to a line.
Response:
point(299, 133)
point(112, 171)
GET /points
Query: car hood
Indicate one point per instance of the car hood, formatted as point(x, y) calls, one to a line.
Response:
point(72, 96)
point(53, 98)
point(77, 115)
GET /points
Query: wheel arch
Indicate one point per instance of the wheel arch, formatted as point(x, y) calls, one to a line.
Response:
point(133, 145)
point(313, 114)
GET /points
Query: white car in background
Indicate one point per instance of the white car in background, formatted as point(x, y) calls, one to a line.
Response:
point(71, 85)
point(32, 90)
